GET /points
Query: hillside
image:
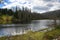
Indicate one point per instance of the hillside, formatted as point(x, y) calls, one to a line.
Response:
point(52, 14)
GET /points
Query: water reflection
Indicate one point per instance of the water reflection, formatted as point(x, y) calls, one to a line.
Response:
point(13, 30)
point(34, 26)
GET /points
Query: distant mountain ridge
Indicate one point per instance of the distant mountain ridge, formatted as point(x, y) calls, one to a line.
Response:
point(52, 14)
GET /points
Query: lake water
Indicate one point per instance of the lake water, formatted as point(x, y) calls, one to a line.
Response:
point(35, 25)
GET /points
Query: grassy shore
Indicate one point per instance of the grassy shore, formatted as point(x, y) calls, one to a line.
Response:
point(5, 19)
point(29, 36)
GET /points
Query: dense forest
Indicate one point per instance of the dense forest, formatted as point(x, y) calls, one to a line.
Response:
point(23, 15)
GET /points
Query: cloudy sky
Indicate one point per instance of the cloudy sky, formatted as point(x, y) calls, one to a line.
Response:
point(35, 5)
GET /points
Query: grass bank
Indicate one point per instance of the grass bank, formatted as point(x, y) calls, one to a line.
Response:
point(29, 36)
point(5, 19)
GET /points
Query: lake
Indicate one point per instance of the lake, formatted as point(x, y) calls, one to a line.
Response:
point(35, 25)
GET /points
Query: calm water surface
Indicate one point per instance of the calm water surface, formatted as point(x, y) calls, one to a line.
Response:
point(35, 25)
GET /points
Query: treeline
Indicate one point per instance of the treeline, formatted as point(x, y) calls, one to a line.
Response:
point(23, 15)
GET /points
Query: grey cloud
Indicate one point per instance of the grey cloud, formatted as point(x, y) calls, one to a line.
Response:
point(50, 5)
point(40, 8)
point(58, 0)
point(49, 0)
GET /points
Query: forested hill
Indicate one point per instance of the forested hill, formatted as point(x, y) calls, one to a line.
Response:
point(19, 16)
point(52, 14)
point(21, 13)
